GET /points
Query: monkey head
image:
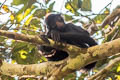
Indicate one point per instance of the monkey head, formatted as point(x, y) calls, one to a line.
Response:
point(54, 21)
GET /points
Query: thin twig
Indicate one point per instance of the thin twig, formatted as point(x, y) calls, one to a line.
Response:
point(115, 35)
point(106, 6)
point(2, 4)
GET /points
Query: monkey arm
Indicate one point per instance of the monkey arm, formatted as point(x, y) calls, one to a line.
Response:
point(53, 34)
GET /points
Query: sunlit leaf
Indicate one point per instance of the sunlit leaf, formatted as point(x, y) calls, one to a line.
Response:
point(109, 78)
point(20, 17)
point(27, 4)
point(98, 21)
point(43, 58)
point(86, 5)
point(118, 69)
point(13, 61)
point(27, 12)
point(99, 18)
point(107, 11)
point(69, 7)
point(73, 5)
point(12, 17)
point(106, 26)
point(118, 77)
point(35, 28)
point(95, 70)
point(28, 20)
point(23, 54)
point(5, 7)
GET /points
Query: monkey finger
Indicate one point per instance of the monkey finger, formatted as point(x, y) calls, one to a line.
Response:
point(58, 37)
point(53, 37)
point(44, 38)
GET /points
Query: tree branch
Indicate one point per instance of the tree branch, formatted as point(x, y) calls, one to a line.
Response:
point(106, 69)
point(111, 17)
point(79, 59)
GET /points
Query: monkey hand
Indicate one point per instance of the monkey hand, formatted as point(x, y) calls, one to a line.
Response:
point(44, 38)
point(55, 35)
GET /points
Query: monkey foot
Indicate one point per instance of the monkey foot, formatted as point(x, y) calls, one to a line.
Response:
point(52, 53)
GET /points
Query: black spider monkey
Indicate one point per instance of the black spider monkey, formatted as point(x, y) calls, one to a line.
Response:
point(69, 33)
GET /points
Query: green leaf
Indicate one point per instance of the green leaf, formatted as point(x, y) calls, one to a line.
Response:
point(27, 22)
point(51, 6)
point(69, 7)
point(20, 16)
point(18, 2)
point(70, 77)
point(99, 18)
point(75, 21)
point(29, 10)
point(68, 17)
point(86, 5)
point(40, 13)
point(23, 54)
point(27, 4)
point(73, 5)
point(18, 46)
point(118, 69)
point(43, 58)
point(2, 39)
point(35, 23)
point(76, 4)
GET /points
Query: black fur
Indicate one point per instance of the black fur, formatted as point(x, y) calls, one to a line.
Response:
point(68, 33)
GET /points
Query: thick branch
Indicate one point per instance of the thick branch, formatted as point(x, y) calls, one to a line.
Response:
point(16, 69)
point(37, 40)
point(81, 57)
point(23, 37)
point(93, 54)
